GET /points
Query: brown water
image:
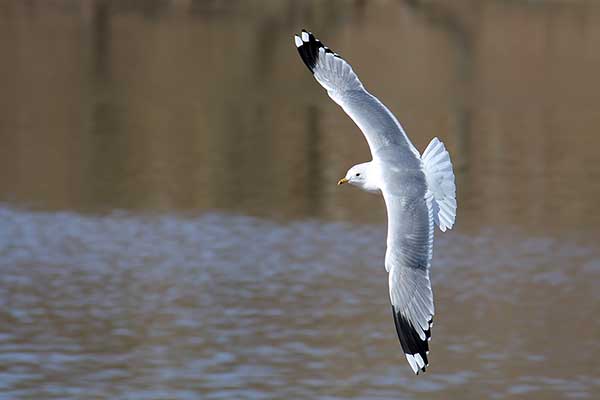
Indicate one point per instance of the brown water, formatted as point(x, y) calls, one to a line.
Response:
point(171, 227)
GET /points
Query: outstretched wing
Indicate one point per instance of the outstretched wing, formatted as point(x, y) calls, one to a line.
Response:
point(377, 123)
point(408, 259)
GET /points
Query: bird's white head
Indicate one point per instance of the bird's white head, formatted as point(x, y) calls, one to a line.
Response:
point(362, 176)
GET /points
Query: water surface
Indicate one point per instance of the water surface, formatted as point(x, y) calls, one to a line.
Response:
point(171, 227)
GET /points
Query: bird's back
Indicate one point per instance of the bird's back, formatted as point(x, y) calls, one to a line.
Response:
point(401, 172)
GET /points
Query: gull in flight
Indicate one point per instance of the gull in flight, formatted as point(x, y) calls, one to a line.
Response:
point(418, 190)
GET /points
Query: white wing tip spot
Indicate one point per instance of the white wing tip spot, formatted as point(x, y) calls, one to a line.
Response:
point(419, 360)
point(305, 36)
point(297, 40)
point(413, 363)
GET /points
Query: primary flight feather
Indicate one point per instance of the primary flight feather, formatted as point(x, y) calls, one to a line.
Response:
point(418, 190)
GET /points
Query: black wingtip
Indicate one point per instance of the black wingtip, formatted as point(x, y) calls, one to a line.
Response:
point(308, 47)
point(410, 340)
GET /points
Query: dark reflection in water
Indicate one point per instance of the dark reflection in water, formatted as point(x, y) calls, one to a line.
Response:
point(235, 268)
point(193, 105)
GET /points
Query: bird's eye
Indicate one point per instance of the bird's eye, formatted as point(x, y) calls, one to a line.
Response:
point(358, 174)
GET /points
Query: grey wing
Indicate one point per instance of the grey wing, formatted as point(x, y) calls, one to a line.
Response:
point(377, 123)
point(407, 260)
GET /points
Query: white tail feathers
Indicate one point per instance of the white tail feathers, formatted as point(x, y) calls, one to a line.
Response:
point(440, 180)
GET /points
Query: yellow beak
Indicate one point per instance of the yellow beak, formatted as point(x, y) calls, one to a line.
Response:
point(342, 181)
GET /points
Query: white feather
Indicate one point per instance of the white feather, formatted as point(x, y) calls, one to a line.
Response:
point(440, 181)
point(419, 360)
point(413, 363)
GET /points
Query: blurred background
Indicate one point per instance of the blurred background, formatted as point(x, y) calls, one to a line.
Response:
point(170, 227)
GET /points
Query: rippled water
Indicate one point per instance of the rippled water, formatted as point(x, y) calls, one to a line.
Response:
point(171, 228)
point(232, 306)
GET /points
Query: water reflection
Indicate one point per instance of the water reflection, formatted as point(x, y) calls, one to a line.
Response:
point(189, 116)
point(202, 105)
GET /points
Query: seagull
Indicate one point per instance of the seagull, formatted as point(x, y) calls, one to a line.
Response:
point(418, 190)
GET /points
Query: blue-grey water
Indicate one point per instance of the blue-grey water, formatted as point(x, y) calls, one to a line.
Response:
point(227, 306)
point(170, 227)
